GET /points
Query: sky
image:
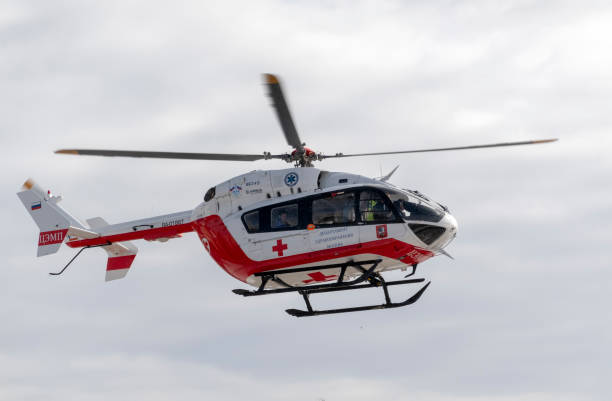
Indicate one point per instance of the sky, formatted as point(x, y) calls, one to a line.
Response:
point(521, 313)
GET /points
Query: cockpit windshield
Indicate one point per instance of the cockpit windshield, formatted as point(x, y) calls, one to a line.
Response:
point(413, 207)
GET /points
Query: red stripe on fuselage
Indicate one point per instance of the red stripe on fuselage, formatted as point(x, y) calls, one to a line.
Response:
point(149, 235)
point(228, 254)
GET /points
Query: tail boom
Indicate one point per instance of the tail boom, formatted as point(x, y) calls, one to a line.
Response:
point(120, 233)
point(57, 225)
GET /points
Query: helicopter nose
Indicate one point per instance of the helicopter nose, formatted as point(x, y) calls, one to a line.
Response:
point(450, 223)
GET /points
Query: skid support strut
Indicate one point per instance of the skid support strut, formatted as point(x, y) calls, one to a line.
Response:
point(367, 279)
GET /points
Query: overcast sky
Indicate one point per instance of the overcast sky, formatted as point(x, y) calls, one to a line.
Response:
point(521, 313)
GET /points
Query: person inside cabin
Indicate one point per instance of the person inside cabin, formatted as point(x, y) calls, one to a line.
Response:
point(283, 221)
point(348, 214)
point(399, 205)
point(379, 209)
point(285, 216)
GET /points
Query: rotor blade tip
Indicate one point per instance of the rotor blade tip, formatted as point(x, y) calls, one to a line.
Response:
point(67, 151)
point(547, 140)
point(270, 79)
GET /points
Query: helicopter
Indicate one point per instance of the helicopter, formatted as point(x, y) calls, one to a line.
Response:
point(300, 229)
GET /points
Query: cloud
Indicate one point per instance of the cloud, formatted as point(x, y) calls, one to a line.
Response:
point(519, 313)
point(95, 377)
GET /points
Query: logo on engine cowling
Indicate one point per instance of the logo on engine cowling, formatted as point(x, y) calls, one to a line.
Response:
point(291, 179)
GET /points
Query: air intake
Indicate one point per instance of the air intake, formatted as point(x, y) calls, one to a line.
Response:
point(426, 233)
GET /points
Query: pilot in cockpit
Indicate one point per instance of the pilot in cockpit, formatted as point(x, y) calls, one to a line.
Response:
point(400, 207)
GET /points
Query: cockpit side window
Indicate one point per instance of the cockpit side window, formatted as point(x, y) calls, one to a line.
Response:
point(412, 208)
point(373, 208)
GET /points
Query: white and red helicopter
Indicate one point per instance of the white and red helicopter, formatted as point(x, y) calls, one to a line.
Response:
point(299, 230)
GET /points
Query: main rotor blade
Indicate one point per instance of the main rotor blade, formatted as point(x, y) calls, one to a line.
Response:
point(492, 145)
point(169, 155)
point(282, 111)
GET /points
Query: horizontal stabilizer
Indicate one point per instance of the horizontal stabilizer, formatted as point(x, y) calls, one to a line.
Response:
point(75, 233)
point(96, 222)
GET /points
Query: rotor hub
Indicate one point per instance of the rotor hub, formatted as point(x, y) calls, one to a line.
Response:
point(303, 157)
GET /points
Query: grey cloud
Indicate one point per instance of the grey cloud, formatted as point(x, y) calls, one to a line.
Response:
point(521, 312)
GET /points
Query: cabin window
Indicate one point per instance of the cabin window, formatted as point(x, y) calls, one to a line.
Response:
point(373, 208)
point(337, 208)
point(251, 221)
point(284, 216)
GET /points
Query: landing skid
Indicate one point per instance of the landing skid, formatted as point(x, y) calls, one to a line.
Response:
point(368, 278)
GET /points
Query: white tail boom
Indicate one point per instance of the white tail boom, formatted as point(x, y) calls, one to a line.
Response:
point(56, 225)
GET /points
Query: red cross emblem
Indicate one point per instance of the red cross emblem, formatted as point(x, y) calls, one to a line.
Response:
point(318, 277)
point(279, 247)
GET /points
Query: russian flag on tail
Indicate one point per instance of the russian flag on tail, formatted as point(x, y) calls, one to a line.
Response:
point(36, 206)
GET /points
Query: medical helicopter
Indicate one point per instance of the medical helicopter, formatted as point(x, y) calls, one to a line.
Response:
point(300, 229)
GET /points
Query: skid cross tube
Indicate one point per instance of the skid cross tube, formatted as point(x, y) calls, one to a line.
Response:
point(358, 286)
point(366, 274)
point(317, 268)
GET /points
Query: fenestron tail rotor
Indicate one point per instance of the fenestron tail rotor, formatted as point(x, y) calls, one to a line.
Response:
point(301, 155)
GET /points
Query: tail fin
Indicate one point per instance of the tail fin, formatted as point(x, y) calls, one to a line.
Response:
point(52, 220)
